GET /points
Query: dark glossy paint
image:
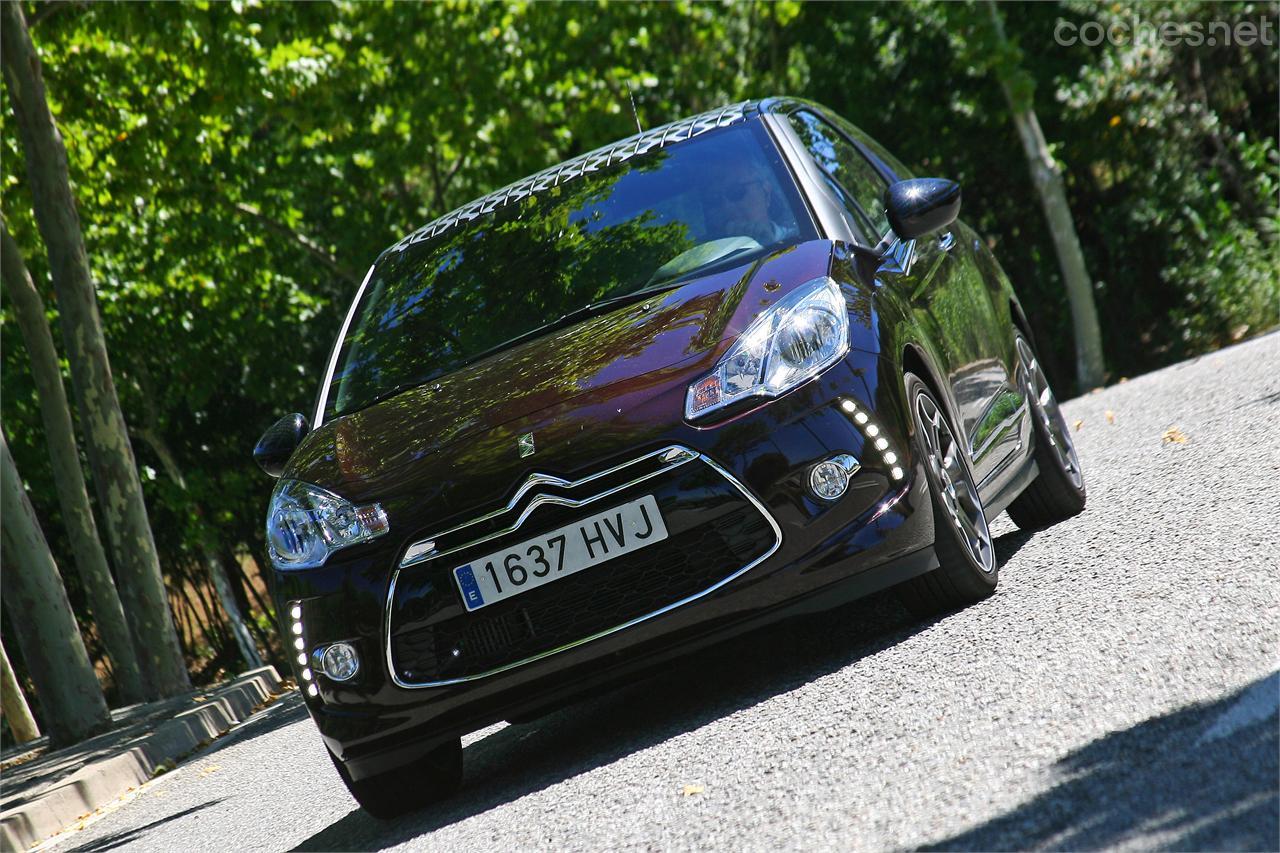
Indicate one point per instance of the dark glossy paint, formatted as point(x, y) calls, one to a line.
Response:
point(278, 443)
point(613, 388)
point(920, 206)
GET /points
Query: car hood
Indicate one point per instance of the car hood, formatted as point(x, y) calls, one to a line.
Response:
point(592, 382)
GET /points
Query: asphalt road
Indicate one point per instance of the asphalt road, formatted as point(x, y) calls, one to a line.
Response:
point(1120, 690)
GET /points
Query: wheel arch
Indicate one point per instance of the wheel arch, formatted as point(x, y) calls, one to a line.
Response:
point(1020, 321)
point(915, 360)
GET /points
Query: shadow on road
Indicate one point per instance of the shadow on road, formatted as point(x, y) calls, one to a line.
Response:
point(1174, 782)
point(126, 836)
point(1008, 544)
point(706, 686)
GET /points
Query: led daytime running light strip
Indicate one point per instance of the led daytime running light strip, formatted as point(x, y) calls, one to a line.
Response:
point(874, 440)
point(300, 649)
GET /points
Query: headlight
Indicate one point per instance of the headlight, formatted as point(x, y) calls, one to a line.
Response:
point(305, 524)
point(796, 339)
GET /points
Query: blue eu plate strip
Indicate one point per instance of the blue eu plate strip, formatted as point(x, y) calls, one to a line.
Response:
point(470, 589)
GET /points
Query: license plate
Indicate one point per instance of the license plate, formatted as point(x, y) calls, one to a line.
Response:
point(560, 552)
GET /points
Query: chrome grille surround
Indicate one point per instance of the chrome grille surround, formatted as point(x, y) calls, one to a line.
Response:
point(670, 457)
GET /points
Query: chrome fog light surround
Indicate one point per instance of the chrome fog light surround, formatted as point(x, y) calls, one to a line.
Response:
point(829, 479)
point(338, 661)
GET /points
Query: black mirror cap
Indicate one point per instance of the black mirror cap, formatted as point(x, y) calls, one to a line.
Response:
point(921, 205)
point(278, 443)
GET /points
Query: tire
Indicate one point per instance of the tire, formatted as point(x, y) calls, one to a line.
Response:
point(434, 777)
point(967, 571)
point(1058, 491)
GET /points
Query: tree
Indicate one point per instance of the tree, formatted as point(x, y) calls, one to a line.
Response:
point(1047, 178)
point(36, 603)
point(107, 440)
point(212, 560)
point(16, 710)
point(90, 559)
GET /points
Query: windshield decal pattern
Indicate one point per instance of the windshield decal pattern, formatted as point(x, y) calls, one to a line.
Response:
point(583, 164)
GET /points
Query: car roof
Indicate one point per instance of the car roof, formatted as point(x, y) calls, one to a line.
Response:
point(615, 152)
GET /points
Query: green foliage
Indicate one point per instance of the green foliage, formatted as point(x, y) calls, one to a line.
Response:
point(238, 165)
point(1167, 152)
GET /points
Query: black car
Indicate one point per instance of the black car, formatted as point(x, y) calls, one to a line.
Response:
point(729, 370)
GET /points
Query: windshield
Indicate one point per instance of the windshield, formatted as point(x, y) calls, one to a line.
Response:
point(714, 202)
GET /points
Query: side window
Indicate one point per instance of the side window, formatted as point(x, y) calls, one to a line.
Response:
point(875, 148)
point(853, 180)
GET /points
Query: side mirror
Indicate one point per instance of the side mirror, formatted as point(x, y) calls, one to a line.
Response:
point(278, 443)
point(921, 205)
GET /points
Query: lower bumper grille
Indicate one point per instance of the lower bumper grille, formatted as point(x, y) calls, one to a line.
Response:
point(717, 530)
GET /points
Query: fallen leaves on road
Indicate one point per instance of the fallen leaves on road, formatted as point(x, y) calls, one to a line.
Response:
point(690, 790)
point(1173, 435)
point(1078, 424)
point(1111, 416)
point(210, 768)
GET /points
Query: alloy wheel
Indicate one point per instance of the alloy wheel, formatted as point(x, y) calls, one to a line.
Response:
point(1046, 409)
point(957, 490)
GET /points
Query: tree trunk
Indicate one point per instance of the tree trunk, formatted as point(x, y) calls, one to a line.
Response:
point(1047, 177)
point(246, 595)
point(222, 585)
point(14, 702)
point(265, 606)
point(115, 474)
point(212, 561)
point(195, 608)
point(36, 602)
point(73, 498)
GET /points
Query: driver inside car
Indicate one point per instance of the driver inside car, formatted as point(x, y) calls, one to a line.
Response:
point(741, 203)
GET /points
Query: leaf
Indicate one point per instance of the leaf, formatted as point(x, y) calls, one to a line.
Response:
point(1173, 435)
point(691, 790)
point(1110, 416)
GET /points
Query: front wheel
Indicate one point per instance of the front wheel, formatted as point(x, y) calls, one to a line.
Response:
point(1057, 493)
point(967, 570)
point(432, 778)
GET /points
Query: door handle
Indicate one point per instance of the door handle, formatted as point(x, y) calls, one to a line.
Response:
point(947, 242)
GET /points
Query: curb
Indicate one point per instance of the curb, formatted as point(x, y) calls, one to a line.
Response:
point(96, 784)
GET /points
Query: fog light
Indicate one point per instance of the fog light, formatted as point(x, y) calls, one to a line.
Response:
point(828, 480)
point(339, 661)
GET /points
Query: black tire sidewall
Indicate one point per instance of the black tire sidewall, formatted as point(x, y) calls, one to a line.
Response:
point(1046, 459)
point(954, 556)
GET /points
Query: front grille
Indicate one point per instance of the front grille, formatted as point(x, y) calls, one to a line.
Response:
point(715, 530)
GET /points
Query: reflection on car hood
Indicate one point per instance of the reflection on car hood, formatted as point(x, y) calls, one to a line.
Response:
point(609, 364)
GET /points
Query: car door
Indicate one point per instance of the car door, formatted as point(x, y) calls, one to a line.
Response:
point(936, 275)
